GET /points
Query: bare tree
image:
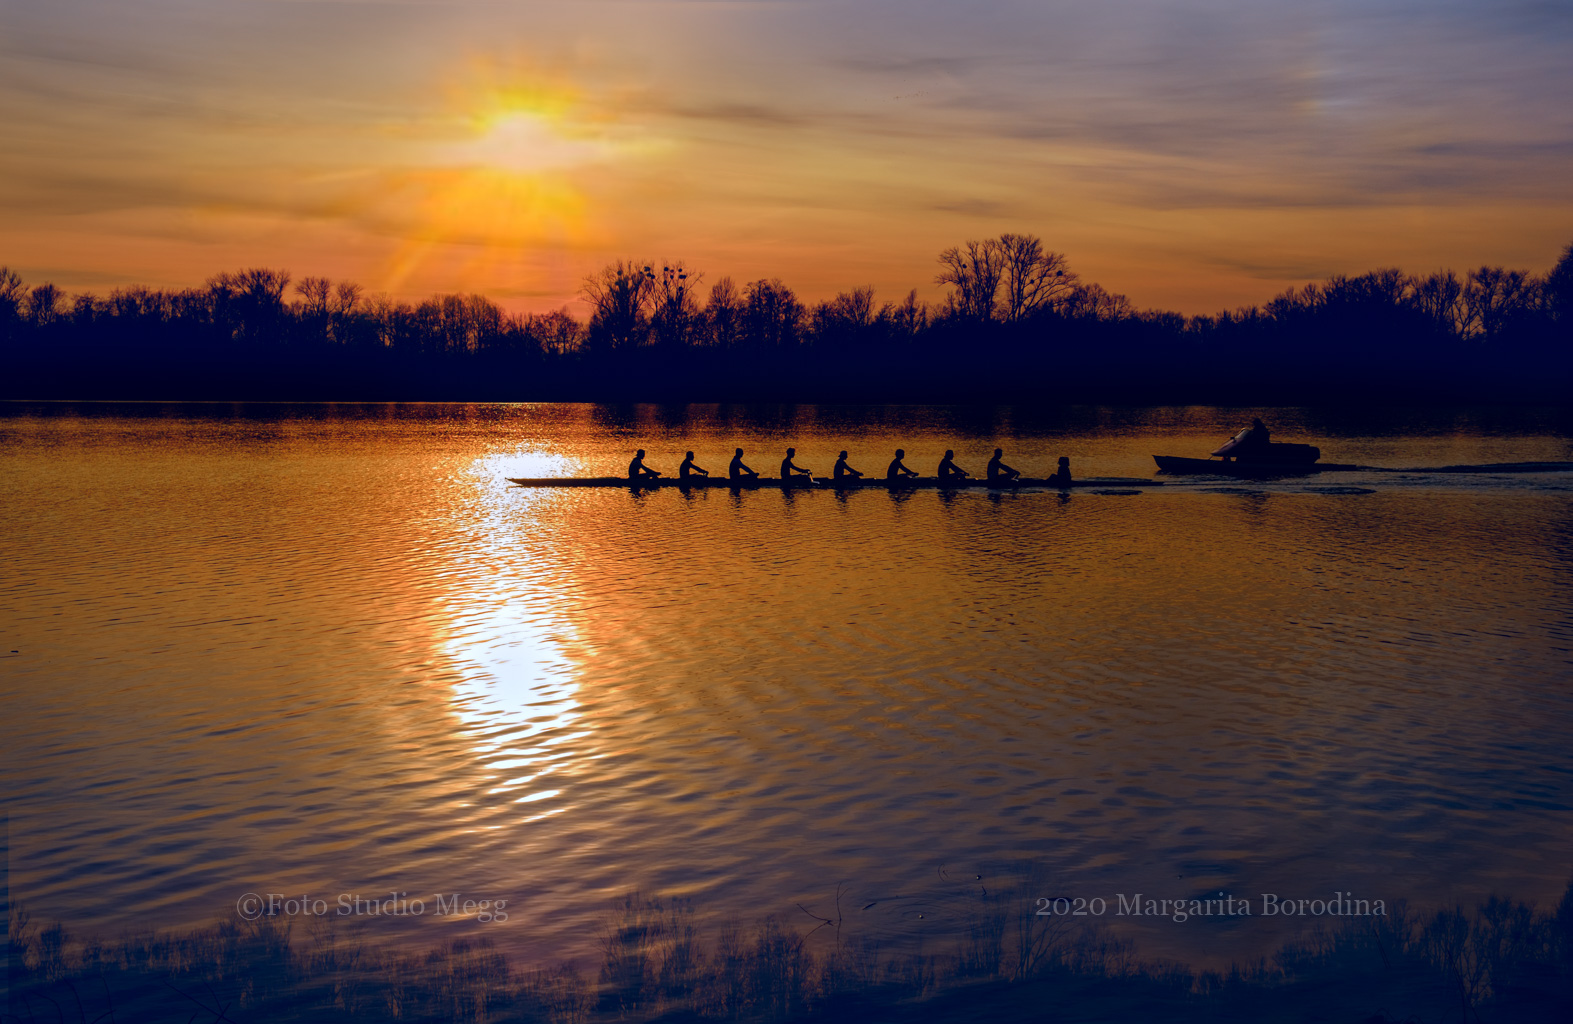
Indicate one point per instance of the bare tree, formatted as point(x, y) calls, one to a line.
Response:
point(557, 333)
point(1033, 277)
point(772, 314)
point(847, 319)
point(856, 307)
point(675, 319)
point(12, 294)
point(313, 313)
point(314, 293)
point(346, 297)
point(249, 303)
point(1094, 302)
point(619, 296)
point(12, 290)
point(1559, 288)
point(1440, 299)
point(1494, 297)
point(44, 305)
point(911, 317)
point(724, 313)
point(973, 270)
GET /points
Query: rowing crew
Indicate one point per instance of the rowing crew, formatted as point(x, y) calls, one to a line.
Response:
point(997, 472)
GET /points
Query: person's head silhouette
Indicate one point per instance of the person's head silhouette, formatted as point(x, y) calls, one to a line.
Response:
point(999, 451)
point(901, 453)
point(740, 452)
point(688, 455)
point(639, 454)
point(842, 455)
point(949, 454)
point(791, 452)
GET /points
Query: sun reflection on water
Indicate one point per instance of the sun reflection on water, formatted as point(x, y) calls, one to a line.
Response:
point(515, 679)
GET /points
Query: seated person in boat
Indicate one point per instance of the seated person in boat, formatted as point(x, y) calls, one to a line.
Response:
point(688, 468)
point(998, 472)
point(1062, 474)
point(949, 472)
point(844, 471)
point(1254, 439)
point(738, 471)
point(897, 469)
point(789, 469)
point(637, 470)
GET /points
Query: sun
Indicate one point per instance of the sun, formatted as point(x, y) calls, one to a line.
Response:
point(505, 169)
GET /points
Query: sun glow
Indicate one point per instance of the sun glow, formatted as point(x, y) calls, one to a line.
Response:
point(504, 170)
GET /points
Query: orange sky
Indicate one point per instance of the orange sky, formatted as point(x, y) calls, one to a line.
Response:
point(1193, 156)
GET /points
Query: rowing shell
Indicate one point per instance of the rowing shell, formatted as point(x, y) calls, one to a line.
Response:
point(755, 483)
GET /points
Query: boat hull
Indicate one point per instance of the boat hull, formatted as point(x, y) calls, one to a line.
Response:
point(804, 483)
point(1176, 464)
point(1275, 452)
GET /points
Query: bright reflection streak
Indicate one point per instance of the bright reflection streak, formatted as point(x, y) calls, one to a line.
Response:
point(515, 683)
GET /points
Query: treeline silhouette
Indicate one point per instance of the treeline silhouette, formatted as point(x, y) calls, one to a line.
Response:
point(1017, 324)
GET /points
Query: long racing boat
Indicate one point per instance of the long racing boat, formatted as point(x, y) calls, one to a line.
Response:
point(863, 483)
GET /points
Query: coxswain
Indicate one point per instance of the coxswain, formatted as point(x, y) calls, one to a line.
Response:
point(897, 469)
point(688, 469)
point(844, 471)
point(1062, 473)
point(637, 470)
point(949, 472)
point(738, 471)
point(998, 472)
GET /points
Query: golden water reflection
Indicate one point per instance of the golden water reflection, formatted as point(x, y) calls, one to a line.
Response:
point(509, 649)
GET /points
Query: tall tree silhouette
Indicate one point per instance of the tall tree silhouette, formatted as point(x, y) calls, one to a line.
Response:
point(12, 294)
point(973, 271)
point(44, 305)
point(1559, 290)
point(772, 315)
point(724, 314)
point(1034, 278)
point(1495, 297)
point(1439, 299)
point(675, 318)
point(619, 297)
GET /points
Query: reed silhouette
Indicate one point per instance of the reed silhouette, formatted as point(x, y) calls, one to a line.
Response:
point(1017, 324)
point(1502, 960)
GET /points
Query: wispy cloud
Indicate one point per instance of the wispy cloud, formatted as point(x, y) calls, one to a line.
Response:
point(874, 130)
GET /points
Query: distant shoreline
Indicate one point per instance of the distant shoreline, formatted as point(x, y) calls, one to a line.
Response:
point(1017, 327)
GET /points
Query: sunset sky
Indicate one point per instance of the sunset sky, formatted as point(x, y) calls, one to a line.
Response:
point(1195, 156)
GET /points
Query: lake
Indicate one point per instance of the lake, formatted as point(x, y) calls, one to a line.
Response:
point(327, 651)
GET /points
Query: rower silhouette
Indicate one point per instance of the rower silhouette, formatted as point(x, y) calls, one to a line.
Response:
point(844, 471)
point(637, 470)
point(949, 472)
point(897, 469)
point(998, 472)
point(1062, 474)
point(688, 469)
point(738, 471)
point(789, 470)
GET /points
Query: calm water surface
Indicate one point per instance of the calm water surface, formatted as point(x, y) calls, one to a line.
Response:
point(324, 651)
